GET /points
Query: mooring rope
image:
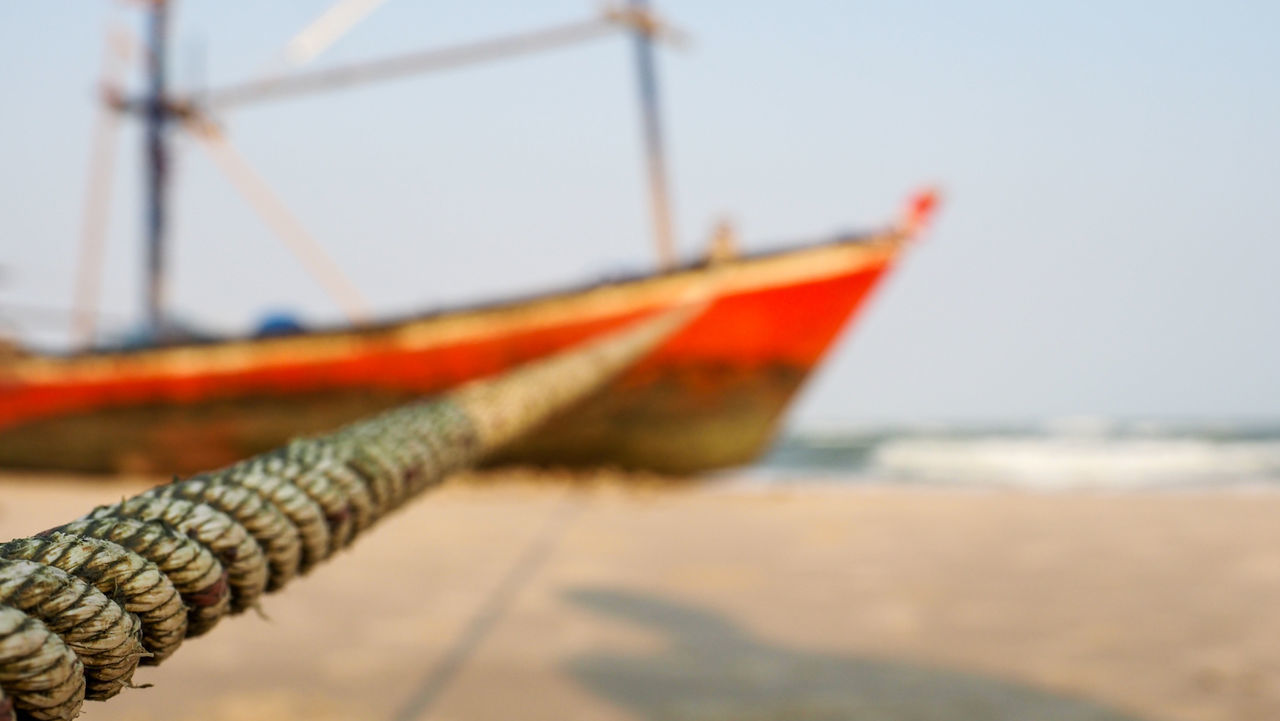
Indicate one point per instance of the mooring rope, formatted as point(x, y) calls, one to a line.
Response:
point(83, 604)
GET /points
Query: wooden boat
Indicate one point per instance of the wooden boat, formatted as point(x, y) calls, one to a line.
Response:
point(710, 397)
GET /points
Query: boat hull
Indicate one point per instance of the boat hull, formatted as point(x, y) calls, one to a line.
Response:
point(710, 397)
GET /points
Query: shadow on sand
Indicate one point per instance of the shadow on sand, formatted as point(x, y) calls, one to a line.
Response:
point(712, 670)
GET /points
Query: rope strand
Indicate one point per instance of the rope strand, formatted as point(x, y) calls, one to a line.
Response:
point(121, 574)
point(40, 675)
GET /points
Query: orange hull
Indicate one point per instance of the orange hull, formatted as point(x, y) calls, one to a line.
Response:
point(709, 397)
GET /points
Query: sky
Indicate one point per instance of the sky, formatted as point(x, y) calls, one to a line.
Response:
point(1107, 246)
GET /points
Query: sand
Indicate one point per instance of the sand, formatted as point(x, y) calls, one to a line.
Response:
point(518, 599)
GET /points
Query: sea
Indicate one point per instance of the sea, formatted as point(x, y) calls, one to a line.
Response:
point(1056, 455)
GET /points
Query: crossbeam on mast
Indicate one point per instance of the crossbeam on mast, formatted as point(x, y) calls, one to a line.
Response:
point(286, 86)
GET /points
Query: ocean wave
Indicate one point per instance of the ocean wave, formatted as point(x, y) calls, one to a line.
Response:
point(1046, 456)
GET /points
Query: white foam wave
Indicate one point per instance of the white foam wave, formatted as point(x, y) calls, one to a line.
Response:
point(1076, 461)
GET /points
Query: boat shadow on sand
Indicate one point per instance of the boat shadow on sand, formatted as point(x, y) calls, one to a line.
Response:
point(712, 670)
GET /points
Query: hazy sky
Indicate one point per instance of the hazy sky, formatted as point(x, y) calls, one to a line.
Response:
point(1109, 244)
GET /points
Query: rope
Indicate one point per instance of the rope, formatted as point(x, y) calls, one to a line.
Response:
point(38, 672)
point(83, 604)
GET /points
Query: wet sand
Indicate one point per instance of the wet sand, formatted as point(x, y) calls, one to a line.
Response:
point(512, 599)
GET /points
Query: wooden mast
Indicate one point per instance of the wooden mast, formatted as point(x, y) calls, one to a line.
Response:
point(156, 113)
point(655, 158)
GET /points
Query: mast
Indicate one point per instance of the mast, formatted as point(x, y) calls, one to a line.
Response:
point(655, 158)
point(157, 110)
point(156, 161)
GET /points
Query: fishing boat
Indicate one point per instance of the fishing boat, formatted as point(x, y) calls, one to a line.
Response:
point(711, 396)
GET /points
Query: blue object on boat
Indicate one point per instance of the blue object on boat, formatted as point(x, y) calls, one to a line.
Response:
point(278, 323)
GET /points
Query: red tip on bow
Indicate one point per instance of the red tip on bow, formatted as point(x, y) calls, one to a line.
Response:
point(919, 211)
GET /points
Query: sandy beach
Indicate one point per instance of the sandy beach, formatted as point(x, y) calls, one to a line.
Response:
point(518, 596)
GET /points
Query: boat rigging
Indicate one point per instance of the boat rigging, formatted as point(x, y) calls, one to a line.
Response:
point(161, 110)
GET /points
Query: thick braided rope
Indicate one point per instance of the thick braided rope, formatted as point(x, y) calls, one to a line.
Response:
point(189, 566)
point(229, 541)
point(104, 636)
point(41, 677)
point(118, 572)
point(278, 538)
point(82, 604)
